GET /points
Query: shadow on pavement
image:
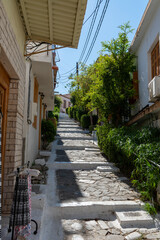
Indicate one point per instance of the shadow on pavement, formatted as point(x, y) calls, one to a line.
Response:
point(67, 187)
point(61, 156)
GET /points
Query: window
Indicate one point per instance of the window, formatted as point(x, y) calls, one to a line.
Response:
point(64, 103)
point(155, 61)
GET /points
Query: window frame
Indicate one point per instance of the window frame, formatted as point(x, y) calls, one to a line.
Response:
point(155, 61)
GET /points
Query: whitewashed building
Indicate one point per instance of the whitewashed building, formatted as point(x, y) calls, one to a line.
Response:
point(146, 46)
point(66, 102)
point(26, 81)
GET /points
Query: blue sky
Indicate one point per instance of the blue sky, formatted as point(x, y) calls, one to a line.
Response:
point(118, 12)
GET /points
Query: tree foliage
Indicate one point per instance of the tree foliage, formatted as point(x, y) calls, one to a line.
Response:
point(57, 101)
point(106, 85)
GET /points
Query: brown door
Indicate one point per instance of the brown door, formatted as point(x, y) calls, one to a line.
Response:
point(4, 92)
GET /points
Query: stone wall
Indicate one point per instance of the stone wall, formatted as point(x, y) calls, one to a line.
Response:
point(14, 63)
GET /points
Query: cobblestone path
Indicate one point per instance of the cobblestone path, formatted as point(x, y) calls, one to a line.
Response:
point(92, 186)
point(104, 186)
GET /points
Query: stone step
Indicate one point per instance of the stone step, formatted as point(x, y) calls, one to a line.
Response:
point(97, 209)
point(45, 153)
point(67, 123)
point(107, 169)
point(74, 138)
point(91, 149)
point(71, 131)
point(135, 219)
point(80, 165)
point(61, 147)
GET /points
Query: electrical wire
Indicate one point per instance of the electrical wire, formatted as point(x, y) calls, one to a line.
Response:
point(97, 30)
point(67, 79)
point(94, 13)
point(90, 29)
point(68, 71)
point(91, 13)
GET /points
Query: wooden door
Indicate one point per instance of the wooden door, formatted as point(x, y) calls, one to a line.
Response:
point(4, 93)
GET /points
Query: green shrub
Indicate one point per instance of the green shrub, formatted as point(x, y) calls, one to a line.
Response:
point(50, 114)
point(79, 113)
point(48, 132)
point(85, 121)
point(150, 209)
point(57, 101)
point(91, 128)
point(67, 110)
point(70, 112)
point(54, 120)
point(74, 112)
point(56, 115)
point(133, 149)
point(56, 109)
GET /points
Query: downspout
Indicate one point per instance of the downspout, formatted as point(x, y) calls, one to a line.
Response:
point(28, 111)
point(29, 93)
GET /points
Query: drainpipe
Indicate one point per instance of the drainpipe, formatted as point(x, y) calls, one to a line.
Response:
point(29, 93)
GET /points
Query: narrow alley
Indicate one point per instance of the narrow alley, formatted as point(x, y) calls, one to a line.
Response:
point(87, 197)
point(80, 120)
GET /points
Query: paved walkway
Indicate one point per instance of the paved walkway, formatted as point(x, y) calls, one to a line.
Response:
point(86, 197)
point(94, 199)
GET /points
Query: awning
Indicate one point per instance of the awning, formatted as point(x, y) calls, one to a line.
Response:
point(53, 21)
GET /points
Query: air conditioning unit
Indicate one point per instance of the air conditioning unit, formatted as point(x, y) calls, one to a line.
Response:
point(154, 89)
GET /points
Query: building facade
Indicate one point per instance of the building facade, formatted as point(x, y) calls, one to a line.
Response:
point(146, 47)
point(26, 81)
point(12, 84)
point(66, 102)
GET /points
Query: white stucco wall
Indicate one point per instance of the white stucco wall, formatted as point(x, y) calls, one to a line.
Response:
point(33, 139)
point(30, 133)
point(62, 109)
point(148, 42)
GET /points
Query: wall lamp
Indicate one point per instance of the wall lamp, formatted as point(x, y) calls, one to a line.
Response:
point(42, 95)
point(45, 105)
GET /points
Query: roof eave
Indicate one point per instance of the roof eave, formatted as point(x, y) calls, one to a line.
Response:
point(60, 28)
point(147, 15)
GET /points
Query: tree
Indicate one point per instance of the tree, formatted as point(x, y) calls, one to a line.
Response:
point(57, 101)
point(115, 68)
point(106, 85)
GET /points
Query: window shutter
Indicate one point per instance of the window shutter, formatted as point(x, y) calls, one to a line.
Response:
point(155, 61)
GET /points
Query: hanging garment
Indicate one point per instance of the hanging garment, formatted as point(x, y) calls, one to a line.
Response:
point(22, 227)
point(21, 200)
point(24, 231)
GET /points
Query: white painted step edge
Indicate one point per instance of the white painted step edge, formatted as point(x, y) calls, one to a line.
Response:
point(79, 166)
point(94, 209)
point(133, 219)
